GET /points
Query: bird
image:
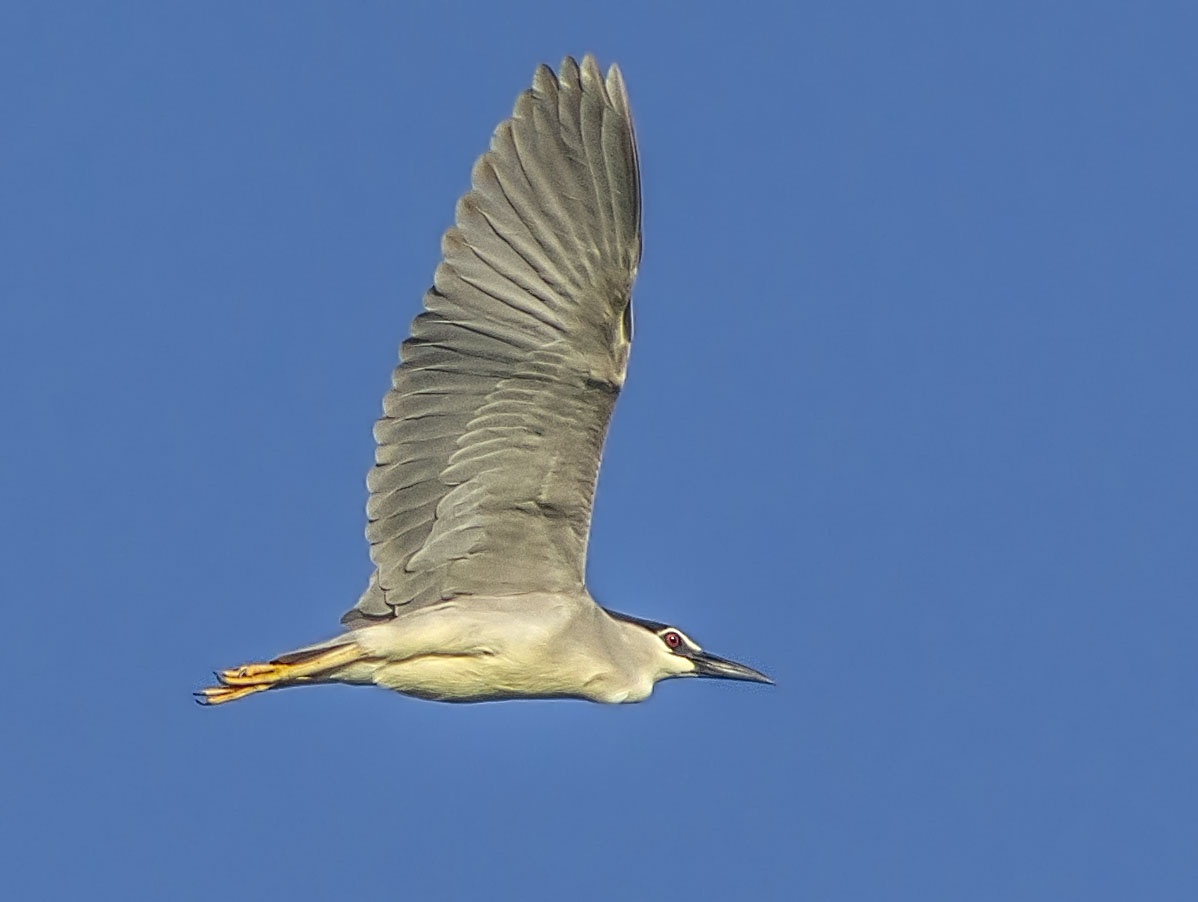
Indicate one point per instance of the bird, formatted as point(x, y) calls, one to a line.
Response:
point(487, 452)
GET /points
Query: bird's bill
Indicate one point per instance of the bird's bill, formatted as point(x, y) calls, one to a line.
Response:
point(708, 665)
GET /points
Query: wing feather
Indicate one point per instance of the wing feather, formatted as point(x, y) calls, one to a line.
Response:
point(491, 435)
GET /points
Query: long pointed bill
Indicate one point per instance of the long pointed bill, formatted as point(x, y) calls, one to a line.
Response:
point(707, 665)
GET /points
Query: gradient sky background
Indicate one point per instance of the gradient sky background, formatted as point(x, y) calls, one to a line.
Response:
point(911, 424)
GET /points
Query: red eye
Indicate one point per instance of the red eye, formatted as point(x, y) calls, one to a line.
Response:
point(673, 639)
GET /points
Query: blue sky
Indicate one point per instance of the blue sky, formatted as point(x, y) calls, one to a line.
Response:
point(910, 425)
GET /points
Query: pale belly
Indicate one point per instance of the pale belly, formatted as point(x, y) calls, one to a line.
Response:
point(466, 678)
point(474, 652)
point(480, 678)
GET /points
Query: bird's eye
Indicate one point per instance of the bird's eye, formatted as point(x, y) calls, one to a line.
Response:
point(672, 639)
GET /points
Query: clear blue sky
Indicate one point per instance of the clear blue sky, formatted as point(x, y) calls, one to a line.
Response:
point(911, 424)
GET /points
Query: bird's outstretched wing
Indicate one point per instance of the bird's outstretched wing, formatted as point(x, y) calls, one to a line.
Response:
point(489, 446)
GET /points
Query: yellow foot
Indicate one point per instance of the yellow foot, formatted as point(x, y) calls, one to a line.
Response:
point(238, 682)
point(218, 695)
point(253, 674)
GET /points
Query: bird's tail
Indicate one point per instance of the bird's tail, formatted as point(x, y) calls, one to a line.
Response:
point(313, 664)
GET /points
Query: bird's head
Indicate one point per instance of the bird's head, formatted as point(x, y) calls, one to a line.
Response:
point(677, 655)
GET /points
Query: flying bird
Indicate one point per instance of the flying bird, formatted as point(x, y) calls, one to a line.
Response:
point(489, 445)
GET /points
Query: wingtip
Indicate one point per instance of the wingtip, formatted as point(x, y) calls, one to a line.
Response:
point(544, 81)
point(568, 69)
point(590, 68)
point(616, 89)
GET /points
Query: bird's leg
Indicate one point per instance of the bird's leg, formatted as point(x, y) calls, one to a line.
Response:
point(238, 682)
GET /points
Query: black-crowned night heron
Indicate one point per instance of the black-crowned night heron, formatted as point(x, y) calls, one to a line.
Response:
point(489, 445)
